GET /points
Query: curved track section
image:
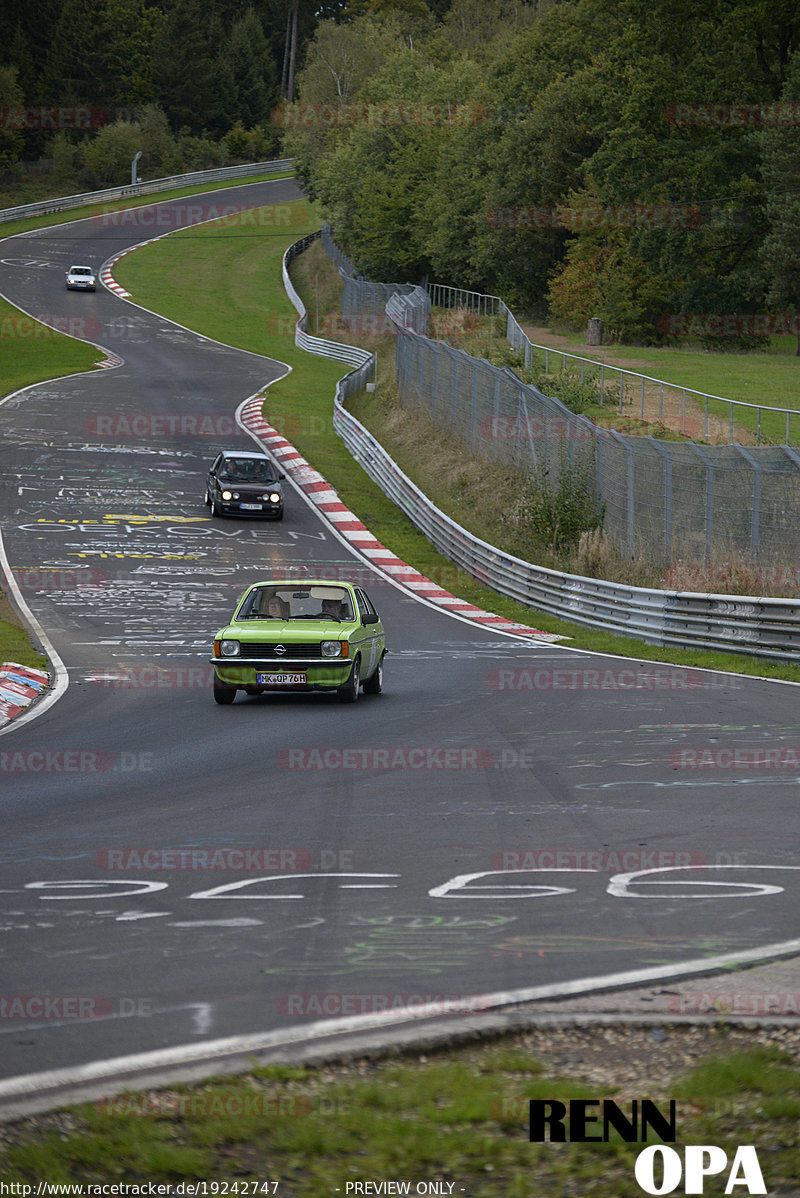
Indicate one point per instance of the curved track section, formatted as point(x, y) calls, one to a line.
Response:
point(507, 819)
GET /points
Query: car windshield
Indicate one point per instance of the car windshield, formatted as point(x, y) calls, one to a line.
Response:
point(246, 470)
point(296, 603)
point(81, 270)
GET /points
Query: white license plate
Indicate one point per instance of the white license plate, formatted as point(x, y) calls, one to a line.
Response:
point(281, 679)
point(251, 507)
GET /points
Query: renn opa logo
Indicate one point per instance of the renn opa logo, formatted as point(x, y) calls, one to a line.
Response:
point(659, 1168)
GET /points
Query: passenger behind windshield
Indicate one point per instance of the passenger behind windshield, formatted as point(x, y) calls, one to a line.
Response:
point(265, 606)
point(277, 608)
point(245, 470)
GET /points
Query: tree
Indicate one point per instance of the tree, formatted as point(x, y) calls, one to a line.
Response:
point(254, 80)
point(195, 83)
point(108, 156)
point(11, 142)
point(781, 170)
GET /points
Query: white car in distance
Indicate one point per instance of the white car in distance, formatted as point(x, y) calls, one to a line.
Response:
point(81, 278)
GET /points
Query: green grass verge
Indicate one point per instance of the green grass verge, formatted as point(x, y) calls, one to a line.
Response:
point(225, 282)
point(458, 1117)
point(15, 643)
point(31, 352)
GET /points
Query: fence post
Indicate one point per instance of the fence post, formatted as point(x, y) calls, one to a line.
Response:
point(435, 386)
point(474, 420)
point(756, 512)
point(667, 497)
point(454, 394)
point(709, 504)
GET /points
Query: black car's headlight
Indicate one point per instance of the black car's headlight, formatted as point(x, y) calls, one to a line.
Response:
point(273, 497)
point(226, 495)
point(229, 648)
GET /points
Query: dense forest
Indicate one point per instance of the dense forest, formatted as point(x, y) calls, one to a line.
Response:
point(624, 159)
point(191, 83)
point(627, 159)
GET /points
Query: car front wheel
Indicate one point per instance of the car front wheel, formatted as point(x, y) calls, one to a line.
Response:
point(349, 692)
point(223, 693)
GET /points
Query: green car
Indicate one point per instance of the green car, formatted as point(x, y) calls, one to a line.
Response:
point(309, 636)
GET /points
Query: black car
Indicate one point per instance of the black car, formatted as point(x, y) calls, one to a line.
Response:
point(244, 484)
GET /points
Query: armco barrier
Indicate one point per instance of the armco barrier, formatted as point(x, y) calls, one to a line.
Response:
point(760, 627)
point(216, 175)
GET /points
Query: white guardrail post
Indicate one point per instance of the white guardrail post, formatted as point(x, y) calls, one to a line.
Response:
point(760, 627)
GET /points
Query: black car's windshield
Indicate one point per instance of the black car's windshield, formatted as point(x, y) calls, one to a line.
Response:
point(297, 603)
point(246, 470)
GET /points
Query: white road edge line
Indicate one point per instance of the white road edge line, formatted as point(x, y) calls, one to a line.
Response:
point(29, 1084)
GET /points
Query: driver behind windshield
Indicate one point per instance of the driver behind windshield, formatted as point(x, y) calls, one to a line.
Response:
point(245, 470)
point(334, 608)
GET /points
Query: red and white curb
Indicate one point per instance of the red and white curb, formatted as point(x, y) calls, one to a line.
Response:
point(19, 686)
point(106, 277)
point(110, 360)
point(328, 503)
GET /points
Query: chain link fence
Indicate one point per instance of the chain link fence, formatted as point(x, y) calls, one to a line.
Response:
point(669, 501)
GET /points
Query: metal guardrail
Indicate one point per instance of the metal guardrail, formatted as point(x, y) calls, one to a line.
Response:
point(217, 175)
point(339, 351)
point(491, 305)
point(759, 627)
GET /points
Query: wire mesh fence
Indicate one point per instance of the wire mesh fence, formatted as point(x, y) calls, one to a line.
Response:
point(666, 500)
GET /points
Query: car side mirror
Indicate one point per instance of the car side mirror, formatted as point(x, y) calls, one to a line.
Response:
point(373, 619)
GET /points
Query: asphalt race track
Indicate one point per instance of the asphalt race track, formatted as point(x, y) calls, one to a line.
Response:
point(508, 816)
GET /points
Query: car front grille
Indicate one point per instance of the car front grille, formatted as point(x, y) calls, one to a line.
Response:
point(303, 649)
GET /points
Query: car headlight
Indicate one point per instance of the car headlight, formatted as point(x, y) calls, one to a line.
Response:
point(274, 497)
point(229, 648)
point(332, 649)
point(226, 495)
